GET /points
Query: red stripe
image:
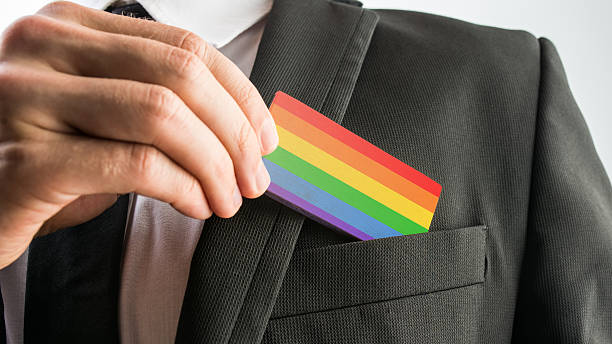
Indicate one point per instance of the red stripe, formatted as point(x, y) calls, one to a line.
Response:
point(364, 147)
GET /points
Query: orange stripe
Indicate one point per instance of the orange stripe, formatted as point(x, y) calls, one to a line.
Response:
point(349, 138)
point(353, 158)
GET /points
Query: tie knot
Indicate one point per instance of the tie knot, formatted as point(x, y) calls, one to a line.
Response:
point(134, 10)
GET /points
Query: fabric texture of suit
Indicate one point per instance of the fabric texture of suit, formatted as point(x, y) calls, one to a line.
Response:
point(520, 247)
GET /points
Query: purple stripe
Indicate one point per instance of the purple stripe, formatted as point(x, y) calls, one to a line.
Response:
point(278, 193)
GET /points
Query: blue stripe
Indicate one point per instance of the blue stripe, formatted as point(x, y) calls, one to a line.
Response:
point(323, 200)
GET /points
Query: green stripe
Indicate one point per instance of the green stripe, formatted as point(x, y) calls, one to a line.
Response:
point(344, 192)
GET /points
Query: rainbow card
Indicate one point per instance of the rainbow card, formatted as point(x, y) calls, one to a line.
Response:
point(333, 176)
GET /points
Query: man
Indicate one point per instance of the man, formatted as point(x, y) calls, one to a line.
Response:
point(95, 105)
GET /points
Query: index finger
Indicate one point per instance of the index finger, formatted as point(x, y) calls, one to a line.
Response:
point(227, 74)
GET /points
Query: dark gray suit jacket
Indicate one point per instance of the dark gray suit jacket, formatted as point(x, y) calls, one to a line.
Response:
point(520, 248)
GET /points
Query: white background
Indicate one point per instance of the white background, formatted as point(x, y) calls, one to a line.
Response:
point(580, 29)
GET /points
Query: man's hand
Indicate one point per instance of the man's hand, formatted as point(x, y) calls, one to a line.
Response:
point(94, 104)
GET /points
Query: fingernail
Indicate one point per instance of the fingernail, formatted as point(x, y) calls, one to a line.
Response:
point(237, 197)
point(269, 136)
point(263, 178)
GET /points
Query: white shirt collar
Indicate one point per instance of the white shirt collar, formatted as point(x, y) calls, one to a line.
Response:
point(218, 22)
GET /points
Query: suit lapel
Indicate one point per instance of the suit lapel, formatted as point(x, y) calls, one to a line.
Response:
point(312, 50)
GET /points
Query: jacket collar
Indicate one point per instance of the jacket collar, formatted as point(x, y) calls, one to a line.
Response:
point(312, 50)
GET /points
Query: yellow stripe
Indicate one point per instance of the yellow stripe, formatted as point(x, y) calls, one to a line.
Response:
point(353, 177)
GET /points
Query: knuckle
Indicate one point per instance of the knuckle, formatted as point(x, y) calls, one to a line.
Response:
point(23, 31)
point(20, 160)
point(143, 160)
point(185, 64)
point(222, 167)
point(192, 186)
point(161, 105)
point(245, 139)
point(246, 94)
point(194, 44)
point(13, 155)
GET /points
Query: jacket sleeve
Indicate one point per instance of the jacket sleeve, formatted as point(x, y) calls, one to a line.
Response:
point(565, 293)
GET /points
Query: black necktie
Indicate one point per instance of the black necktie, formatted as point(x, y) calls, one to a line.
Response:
point(133, 10)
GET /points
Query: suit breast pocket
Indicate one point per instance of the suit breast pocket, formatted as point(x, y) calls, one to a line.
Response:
point(418, 288)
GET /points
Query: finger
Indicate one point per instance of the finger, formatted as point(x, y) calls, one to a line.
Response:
point(129, 111)
point(149, 61)
point(76, 166)
point(226, 72)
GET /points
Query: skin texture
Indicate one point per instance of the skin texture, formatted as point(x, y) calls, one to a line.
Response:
point(93, 105)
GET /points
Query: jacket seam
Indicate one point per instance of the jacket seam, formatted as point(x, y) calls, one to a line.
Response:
point(531, 186)
point(378, 301)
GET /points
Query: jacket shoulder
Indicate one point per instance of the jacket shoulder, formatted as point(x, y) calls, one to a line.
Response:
point(455, 35)
point(439, 58)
